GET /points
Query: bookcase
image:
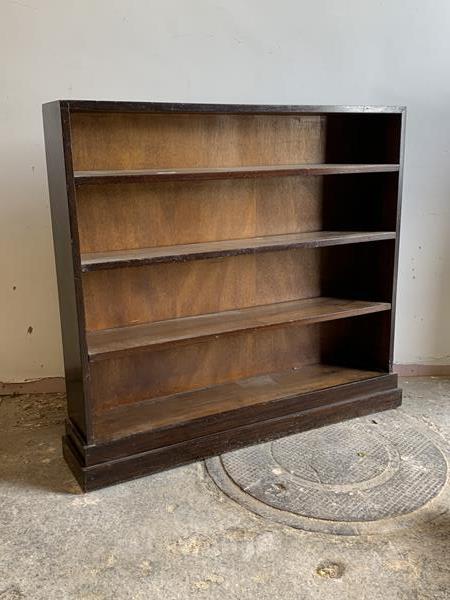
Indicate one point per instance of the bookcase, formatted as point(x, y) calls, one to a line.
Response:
point(226, 274)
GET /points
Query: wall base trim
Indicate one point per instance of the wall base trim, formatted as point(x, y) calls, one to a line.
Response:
point(46, 385)
point(421, 370)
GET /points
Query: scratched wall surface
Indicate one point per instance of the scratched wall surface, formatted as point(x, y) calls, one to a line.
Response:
point(291, 51)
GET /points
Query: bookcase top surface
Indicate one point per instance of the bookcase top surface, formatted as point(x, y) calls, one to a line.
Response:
point(174, 107)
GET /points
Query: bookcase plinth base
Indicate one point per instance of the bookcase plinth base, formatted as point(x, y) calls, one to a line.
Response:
point(94, 468)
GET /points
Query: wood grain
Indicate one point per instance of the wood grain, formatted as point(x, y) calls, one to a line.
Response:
point(108, 141)
point(109, 343)
point(136, 215)
point(117, 297)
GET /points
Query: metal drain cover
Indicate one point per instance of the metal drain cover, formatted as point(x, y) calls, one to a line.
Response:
point(344, 478)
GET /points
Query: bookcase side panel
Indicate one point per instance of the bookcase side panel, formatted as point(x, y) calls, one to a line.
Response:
point(59, 169)
point(398, 137)
point(373, 202)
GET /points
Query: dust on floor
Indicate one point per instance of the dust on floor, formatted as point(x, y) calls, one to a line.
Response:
point(174, 535)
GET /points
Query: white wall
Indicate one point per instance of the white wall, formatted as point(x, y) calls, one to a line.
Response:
point(261, 51)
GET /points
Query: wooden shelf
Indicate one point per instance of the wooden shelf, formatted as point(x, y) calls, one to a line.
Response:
point(181, 253)
point(122, 176)
point(199, 405)
point(106, 343)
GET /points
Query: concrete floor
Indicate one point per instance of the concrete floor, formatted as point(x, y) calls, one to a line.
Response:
point(175, 535)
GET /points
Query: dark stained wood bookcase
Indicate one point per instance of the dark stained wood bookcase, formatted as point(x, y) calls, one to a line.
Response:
point(226, 274)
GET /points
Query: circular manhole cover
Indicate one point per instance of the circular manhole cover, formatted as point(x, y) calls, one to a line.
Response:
point(365, 475)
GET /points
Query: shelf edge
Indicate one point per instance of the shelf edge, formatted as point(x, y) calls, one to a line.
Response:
point(159, 175)
point(93, 264)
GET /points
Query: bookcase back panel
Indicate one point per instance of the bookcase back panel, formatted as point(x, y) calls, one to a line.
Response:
point(143, 375)
point(126, 216)
point(139, 141)
point(118, 297)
